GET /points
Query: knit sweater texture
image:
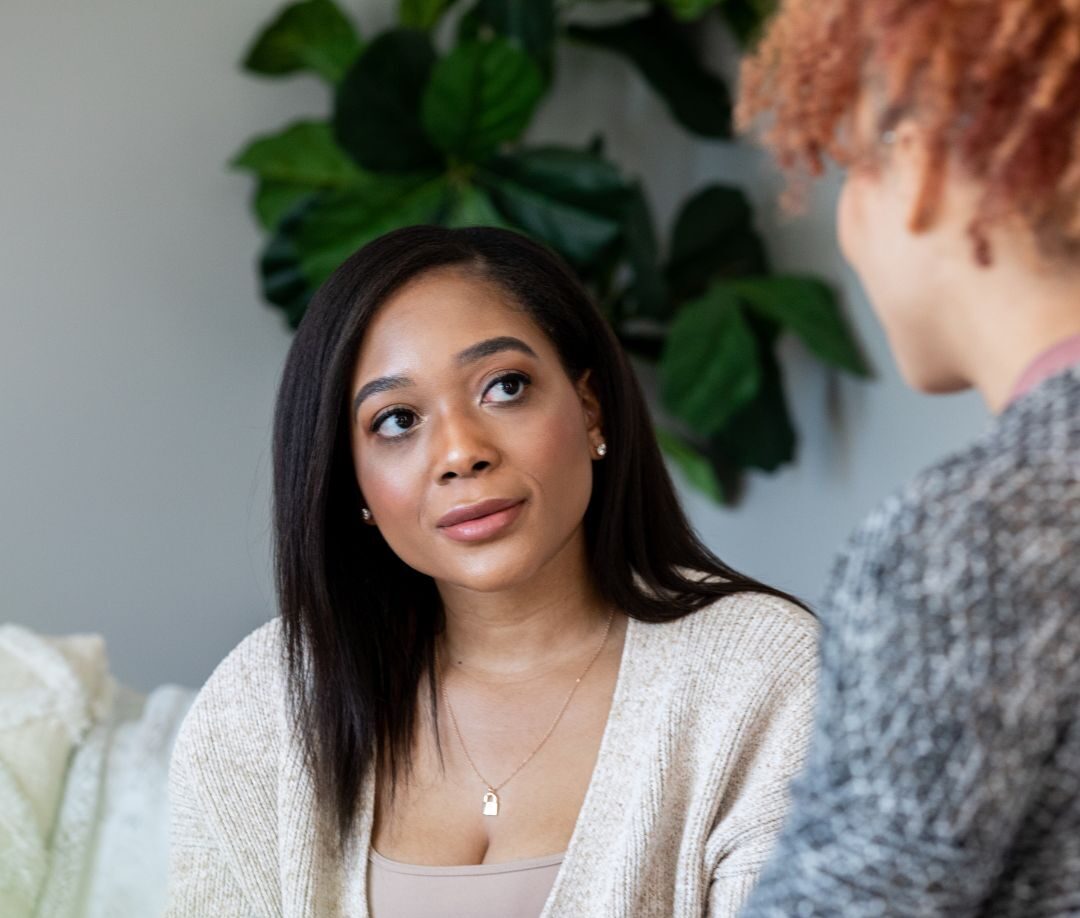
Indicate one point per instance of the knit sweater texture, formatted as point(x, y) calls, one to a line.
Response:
point(944, 771)
point(709, 720)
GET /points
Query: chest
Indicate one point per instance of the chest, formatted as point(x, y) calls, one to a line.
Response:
point(504, 779)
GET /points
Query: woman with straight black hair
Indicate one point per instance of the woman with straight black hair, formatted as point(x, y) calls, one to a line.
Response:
point(507, 678)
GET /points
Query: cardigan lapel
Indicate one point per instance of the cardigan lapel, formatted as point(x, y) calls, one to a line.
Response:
point(314, 879)
point(600, 807)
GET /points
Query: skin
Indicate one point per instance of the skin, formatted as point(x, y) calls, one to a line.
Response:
point(522, 616)
point(952, 324)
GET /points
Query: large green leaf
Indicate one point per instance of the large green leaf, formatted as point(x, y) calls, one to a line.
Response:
point(481, 95)
point(760, 433)
point(283, 280)
point(648, 289)
point(657, 46)
point(570, 199)
point(566, 173)
point(807, 307)
point(312, 35)
point(692, 463)
point(339, 222)
point(529, 24)
point(304, 153)
point(422, 14)
point(471, 206)
point(292, 164)
point(713, 237)
point(272, 200)
point(377, 108)
point(709, 368)
point(319, 233)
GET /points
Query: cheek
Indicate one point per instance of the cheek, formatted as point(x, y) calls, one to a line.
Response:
point(870, 230)
point(392, 485)
point(388, 485)
point(850, 219)
point(558, 442)
point(555, 453)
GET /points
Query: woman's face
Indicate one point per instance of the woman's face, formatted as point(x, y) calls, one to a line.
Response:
point(460, 405)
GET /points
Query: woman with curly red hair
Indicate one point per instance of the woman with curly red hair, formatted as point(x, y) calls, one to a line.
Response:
point(944, 772)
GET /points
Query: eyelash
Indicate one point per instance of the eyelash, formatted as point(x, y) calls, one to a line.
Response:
point(377, 422)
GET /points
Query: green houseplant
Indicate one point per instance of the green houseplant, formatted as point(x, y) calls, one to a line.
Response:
point(427, 134)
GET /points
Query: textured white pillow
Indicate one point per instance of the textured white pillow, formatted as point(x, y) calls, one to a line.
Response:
point(52, 692)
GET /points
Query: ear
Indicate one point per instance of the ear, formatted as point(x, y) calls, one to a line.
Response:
point(590, 406)
point(910, 152)
point(918, 173)
point(366, 515)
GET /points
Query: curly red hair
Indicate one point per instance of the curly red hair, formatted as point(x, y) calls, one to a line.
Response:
point(994, 84)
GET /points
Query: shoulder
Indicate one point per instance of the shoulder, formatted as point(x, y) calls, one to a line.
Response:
point(981, 540)
point(226, 783)
point(248, 679)
point(983, 506)
point(748, 639)
point(1026, 460)
point(239, 711)
point(731, 690)
point(753, 625)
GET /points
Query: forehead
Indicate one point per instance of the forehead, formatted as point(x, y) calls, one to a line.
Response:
point(436, 316)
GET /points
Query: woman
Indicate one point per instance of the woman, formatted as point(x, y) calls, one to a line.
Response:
point(944, 773)
point(517, 683)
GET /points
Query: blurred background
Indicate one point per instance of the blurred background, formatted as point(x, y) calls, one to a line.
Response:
point(139, 360)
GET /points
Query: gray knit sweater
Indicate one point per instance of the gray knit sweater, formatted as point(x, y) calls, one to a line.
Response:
point(944, 771)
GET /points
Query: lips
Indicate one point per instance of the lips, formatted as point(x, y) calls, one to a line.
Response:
point(496, 517)
point(475, 511)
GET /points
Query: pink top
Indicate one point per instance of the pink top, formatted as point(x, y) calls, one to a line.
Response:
point(518, 888)
point(1049, 363)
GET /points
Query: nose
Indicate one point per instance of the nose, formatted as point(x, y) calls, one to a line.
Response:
point(464, 450)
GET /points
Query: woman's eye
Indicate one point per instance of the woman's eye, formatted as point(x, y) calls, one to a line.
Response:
point(507, 388)
point(394, 423)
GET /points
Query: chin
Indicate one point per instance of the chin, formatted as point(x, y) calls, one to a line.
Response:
point(933, 380)
point(486, 581)
point(491, 575)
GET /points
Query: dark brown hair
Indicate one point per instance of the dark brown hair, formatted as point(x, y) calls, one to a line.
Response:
point(359, 624)
point(995, 84)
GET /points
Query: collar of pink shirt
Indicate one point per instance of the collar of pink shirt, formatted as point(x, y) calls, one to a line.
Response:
point(1049, 363)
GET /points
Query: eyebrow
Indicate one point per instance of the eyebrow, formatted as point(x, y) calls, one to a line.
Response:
point(471, 354)
point(382, 384)
point(483, 349)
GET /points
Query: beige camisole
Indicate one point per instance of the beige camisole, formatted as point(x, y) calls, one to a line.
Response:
point(518, 888)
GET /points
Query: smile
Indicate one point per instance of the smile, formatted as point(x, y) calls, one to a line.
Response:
point(481, 521)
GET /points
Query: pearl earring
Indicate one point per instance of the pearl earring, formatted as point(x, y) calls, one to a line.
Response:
point(601, 450)
point(366, 514)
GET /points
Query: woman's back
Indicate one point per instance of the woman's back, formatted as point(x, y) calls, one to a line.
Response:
point(947, 757)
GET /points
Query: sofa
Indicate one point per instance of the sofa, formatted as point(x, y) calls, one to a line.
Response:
point(83, 781)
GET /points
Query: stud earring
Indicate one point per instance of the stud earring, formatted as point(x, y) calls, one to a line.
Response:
point(601, 450)
point(366, 514)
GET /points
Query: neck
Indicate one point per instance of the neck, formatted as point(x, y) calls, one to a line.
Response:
point(1005, 318)
point(536, 623)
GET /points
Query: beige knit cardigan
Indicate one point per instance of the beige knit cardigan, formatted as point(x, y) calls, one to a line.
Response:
point(709, 720)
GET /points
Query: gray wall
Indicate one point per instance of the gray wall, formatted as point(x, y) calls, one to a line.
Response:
point(138, 366)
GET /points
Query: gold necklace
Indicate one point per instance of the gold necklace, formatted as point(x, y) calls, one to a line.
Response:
point(491, 793)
